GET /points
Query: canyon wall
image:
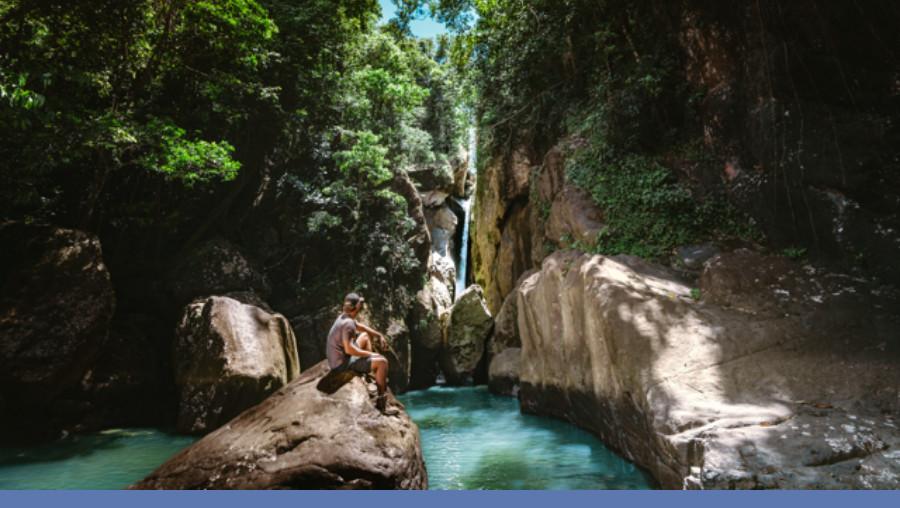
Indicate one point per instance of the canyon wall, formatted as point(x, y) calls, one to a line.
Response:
point(797, 106)
point(779, 376)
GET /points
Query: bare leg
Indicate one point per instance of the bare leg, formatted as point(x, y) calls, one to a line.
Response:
point(364, 342)
point(380, 367)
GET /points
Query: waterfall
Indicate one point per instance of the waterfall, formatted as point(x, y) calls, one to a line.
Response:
point(467, 211)
point(463, 250)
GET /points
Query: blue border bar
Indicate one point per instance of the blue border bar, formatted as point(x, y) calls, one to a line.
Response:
point(454, 499)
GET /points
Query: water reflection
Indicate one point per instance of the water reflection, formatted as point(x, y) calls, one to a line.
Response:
point(474, 440)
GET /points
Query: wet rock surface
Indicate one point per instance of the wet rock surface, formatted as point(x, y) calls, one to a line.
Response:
point(303, 438)
point(781, 376)
point(229, 356)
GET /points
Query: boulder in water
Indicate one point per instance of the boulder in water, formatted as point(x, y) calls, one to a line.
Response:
point(303, 438)
point(430, 311)
point(229, 356)
point(470, 324)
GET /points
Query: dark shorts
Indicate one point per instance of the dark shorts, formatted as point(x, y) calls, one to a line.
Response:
point(361, 364)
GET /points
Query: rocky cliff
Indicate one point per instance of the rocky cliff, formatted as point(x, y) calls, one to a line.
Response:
point(779, 376)
point(794, 105)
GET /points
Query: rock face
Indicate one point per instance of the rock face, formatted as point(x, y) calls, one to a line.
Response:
point(780, 376)
point(301, 438)
point(229, 356)
point(56, 304)
point(521, 210)
point(470, 324)
point(503, 374)
point(441, 224)
point(428, 320)
point(506, 326)
point(802, 136)
point(215, 267)
point(398, 356)
point(460, 166)
point(573, 219)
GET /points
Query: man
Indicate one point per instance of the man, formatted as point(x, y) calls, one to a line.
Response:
point(348, 351)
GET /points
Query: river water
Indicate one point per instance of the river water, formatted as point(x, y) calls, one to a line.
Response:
point(111, 459)
point(471, 439)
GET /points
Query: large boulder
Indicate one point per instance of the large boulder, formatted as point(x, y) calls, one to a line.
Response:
point(442, 270)
point(470, 324)
point(302, 438)
point(431, 314)
point(229, 356)
point(428, 320)
point(56, 304)
point(215, 267)
point(780, 376)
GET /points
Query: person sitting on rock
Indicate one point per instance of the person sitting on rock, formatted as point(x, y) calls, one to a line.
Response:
point(348, 351)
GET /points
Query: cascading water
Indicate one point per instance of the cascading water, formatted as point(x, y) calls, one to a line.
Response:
point(463, 250)
point(467, 210)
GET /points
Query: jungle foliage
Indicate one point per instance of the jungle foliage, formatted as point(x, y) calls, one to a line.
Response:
point(157, 123)
point(604, 72)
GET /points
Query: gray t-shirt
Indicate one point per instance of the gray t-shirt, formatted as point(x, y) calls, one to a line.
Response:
point(344, 328)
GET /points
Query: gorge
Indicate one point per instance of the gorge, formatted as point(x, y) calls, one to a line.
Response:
point(683, 229)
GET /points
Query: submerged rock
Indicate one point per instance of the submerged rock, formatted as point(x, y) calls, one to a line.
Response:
point(303, 438)
point(56, 305)
point(780, 376)
point(229, 356)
